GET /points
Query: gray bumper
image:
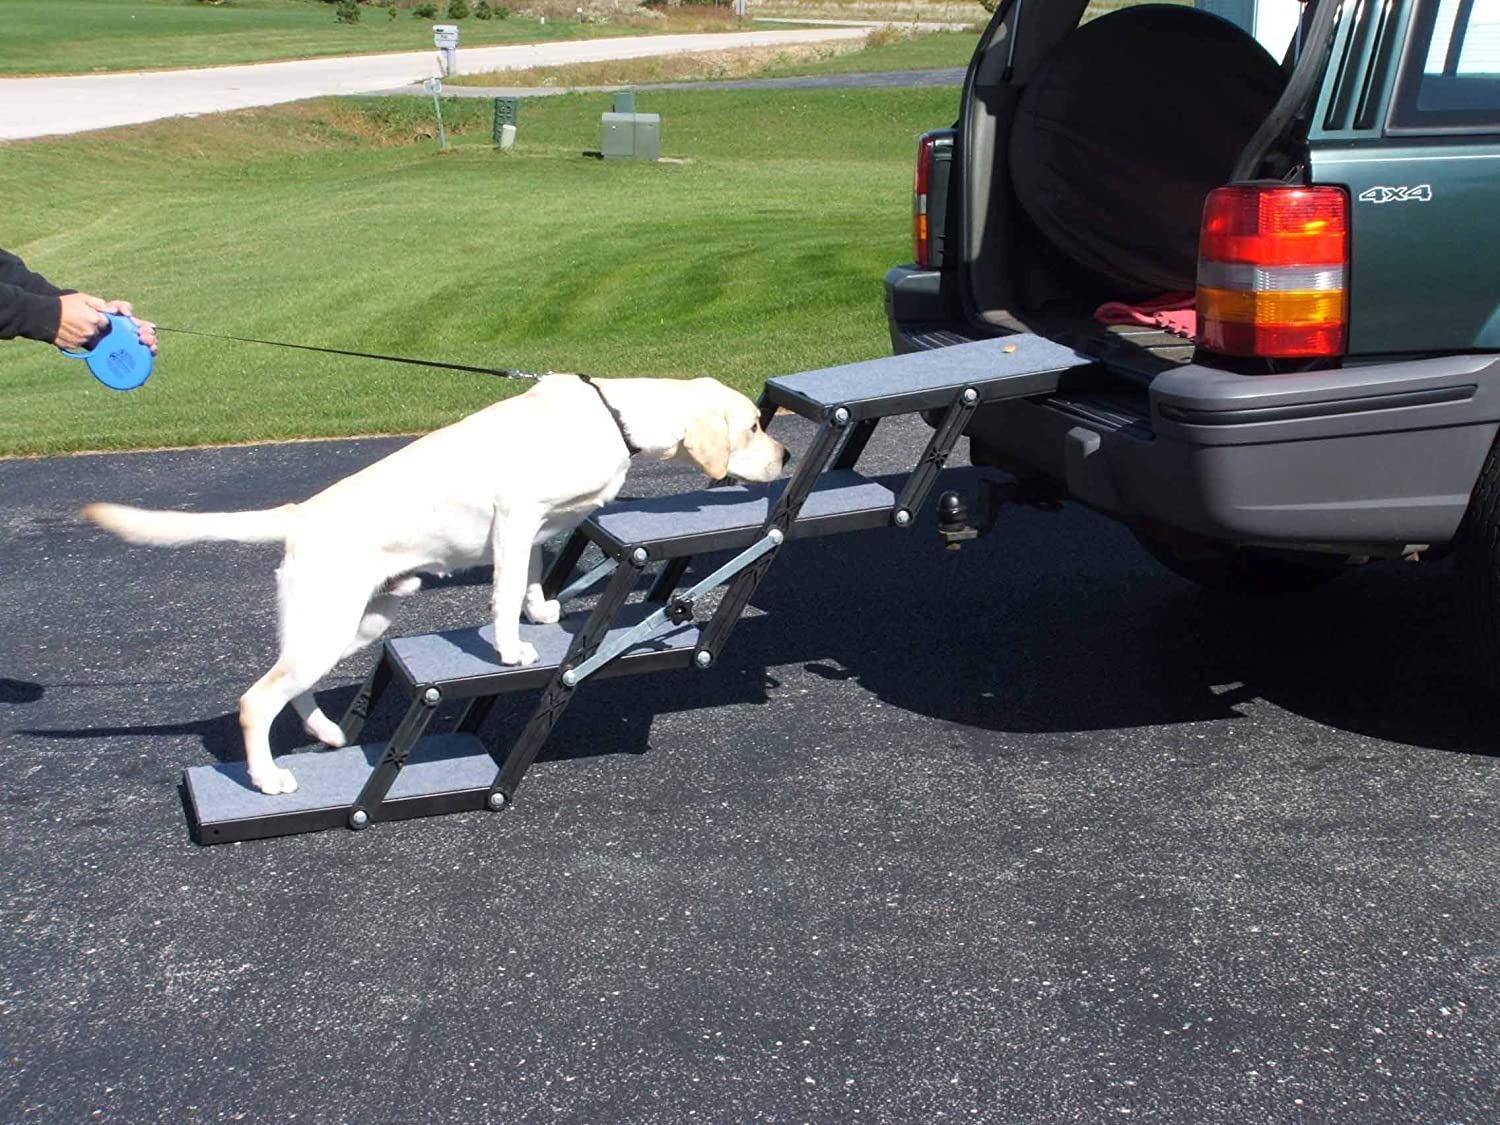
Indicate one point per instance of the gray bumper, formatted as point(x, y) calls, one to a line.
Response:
point(1378, 456)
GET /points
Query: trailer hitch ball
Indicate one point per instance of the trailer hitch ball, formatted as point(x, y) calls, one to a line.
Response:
point(953, 520)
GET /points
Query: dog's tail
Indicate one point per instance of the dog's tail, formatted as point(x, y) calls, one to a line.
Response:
point(169, 529)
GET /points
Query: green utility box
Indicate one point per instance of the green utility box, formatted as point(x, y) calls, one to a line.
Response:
point(506, 112)
point(630, 135)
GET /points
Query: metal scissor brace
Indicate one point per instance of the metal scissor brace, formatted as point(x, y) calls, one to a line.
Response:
point(411, 775)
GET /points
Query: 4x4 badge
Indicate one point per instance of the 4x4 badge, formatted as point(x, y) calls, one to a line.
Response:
point(1422, 193)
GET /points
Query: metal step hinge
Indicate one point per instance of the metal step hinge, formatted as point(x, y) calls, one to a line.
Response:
point(664, 616)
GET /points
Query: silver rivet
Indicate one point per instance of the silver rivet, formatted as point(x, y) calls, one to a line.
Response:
point(432, 697)
point(971, 396)
point(703, 659)
point(359, 818)
point(639, 556)
point(497, 800)
point(840, 417)
point(903, 517)
point(776, 535)
point(569, 678)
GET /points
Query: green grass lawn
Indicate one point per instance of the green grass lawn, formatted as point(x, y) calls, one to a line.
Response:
point(929, 51)
point(79, 36)
point(333, 223)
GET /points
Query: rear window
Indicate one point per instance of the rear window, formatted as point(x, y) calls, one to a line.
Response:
point(1450, 77)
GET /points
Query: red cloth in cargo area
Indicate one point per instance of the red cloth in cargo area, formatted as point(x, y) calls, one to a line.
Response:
point(1171, 312)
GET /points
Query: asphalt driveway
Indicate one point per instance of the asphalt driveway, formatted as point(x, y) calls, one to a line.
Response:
point(1032, 832)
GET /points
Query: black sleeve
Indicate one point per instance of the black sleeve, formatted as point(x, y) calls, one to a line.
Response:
point(28, 302)
point(13, 271)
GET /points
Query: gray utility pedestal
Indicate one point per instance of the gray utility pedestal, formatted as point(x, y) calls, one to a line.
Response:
point(625, 135)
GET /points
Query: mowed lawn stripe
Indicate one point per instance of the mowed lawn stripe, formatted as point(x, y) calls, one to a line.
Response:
point(84, 36)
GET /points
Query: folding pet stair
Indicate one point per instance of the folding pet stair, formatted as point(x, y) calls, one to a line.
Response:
point(411, 775)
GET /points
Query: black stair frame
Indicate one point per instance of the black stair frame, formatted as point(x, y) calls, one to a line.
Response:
point(852, 424)
point(782, 516)
point(419, 713)
point(559, 692)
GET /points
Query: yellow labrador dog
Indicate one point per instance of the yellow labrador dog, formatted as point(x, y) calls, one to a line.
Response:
point(490, 487)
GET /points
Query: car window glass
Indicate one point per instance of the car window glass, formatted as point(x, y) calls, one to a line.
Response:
point(1468, 47)
point(1451, 79)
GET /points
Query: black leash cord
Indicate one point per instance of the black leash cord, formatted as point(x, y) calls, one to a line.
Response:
point(503, 372)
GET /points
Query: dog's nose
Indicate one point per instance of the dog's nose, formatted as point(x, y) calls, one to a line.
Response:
point(786, 455)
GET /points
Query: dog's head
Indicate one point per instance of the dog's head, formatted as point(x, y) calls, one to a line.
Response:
point(724, 438)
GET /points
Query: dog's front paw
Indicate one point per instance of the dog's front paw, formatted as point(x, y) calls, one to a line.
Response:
point(274, 781)
point(544, 613)
point(521, 653)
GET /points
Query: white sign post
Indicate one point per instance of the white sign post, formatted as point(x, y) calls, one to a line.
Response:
point(445, 39)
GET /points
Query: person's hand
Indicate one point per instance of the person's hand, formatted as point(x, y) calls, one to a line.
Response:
point(146, 329)
point(81, 320)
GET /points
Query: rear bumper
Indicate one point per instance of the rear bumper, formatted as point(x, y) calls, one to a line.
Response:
point(920, 309)
point(1365, 459)
point(1370, 471)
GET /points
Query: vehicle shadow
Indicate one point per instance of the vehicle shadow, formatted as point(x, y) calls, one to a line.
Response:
point(1024, 632)
point(1055, 623)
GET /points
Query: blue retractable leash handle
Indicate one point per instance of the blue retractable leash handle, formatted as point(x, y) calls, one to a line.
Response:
point(118, 359)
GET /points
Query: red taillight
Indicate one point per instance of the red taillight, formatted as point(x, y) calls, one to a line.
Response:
point(1272, 271)
point(919, 201)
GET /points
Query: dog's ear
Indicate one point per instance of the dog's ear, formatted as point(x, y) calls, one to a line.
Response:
point(707, 443)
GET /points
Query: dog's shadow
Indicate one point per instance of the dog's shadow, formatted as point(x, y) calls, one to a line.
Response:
point(219, 735)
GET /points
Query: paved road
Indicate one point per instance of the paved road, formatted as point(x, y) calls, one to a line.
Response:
point(1034, 832)
point(39, 107)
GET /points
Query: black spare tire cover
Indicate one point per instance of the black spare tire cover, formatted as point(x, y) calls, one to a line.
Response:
point(1127, 126)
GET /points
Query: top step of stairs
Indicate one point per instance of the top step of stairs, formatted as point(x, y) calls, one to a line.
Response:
point(1006, 367)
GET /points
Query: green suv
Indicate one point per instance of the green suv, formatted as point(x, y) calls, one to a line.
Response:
point(1287, 270)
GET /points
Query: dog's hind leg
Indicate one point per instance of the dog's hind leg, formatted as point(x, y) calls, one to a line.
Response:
point(512, 537)
point(315, 723)
point(377, 619)
point(316, 624)
point(540, 610)
point(291, 676)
